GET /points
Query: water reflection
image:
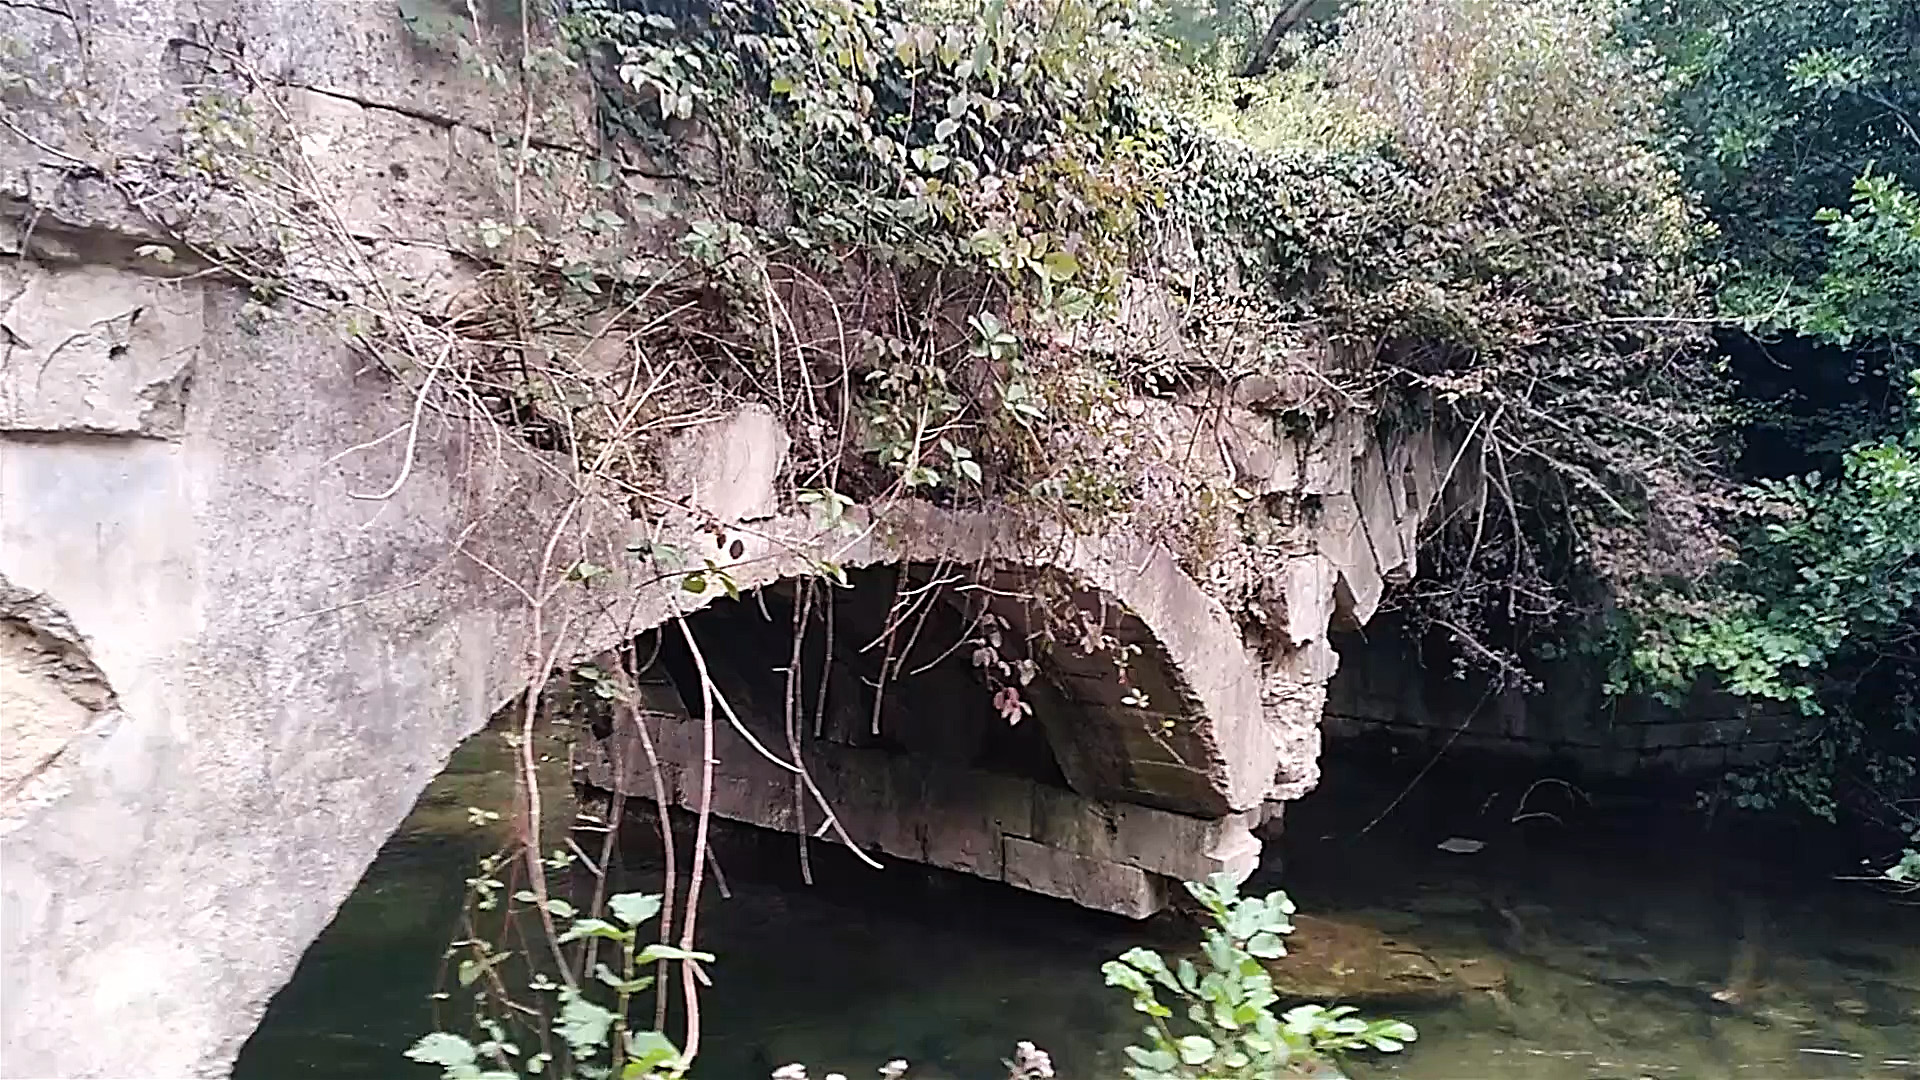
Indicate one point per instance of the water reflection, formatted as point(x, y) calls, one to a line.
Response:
point(1540, 957)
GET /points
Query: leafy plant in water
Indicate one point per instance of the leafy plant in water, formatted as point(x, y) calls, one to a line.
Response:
point(599, 1045)
point(1230, 1030)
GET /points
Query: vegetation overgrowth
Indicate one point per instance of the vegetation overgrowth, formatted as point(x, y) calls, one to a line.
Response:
point(1553, 228)
point(1610, 246)
point(1798, 124)
point(1526, 221)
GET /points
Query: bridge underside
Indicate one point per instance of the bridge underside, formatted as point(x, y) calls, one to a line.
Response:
point(920, 765)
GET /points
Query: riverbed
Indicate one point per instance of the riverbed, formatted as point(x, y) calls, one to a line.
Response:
point(1549, 953)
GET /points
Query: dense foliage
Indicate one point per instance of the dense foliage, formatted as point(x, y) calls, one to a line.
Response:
point(1545, 225)
point(1547, 303)
point(1579, 192)
point(1799, 123)
point(1528, 270)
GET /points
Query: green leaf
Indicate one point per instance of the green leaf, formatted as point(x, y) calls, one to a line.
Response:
point(583, 1024)
point(1267, 945)
point(621, 986)
point(647, 1051)
point(1157, 1060)
point(445, 1049)
point(634, 908)
point(654, 953)
point(1188, 975)
point(1196, 1050)
point(598, 928)
point(1060, 265)
point(1126, 978)
point(988, 242)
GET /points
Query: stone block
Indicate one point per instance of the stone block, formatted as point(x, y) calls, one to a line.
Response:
point(1330, 455)
point(1265, 460)
point(1427, 461)
point(432, 279)
point(97, 350)
point(1409, 511)
point(1160, 841)
point(1308, 587)
point(1093, 883)
point(1340, 536)
point(386, 173)
point(1313, 663)
point(1380, 515)
point(50, 692)
point(731, 468)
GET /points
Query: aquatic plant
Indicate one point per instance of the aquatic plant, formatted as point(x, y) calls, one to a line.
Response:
point(1231, 1030)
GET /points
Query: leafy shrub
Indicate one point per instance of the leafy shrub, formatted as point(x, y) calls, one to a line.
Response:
point(1230, 1031)
point(1796, 124)
point(1537, 274)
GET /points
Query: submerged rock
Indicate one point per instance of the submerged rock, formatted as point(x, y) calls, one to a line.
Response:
point(1334, 960)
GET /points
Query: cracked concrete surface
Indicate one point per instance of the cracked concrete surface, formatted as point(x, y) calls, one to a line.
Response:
point(96, 349)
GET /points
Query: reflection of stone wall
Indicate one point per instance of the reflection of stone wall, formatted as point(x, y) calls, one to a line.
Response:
point(1383, 688)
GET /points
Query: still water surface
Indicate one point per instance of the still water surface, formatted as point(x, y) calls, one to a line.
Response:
point(1556, 959)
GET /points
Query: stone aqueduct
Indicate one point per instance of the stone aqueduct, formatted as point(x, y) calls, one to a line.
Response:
point(226, 674)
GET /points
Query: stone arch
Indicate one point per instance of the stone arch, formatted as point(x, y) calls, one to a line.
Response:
point(1123, 795)
point(1221, 756)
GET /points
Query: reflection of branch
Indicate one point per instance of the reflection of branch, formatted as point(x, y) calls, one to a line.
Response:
point(1519, 817)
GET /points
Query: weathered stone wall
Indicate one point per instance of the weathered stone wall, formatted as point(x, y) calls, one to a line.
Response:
point(225, 673)
point(1111, 856)
point(1383, 688)
point(255, 671)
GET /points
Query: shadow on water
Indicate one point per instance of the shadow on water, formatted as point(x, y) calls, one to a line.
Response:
point(1603, 950)
point(361, 993)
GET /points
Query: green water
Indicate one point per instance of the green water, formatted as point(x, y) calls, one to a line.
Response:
point(1587, 959)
